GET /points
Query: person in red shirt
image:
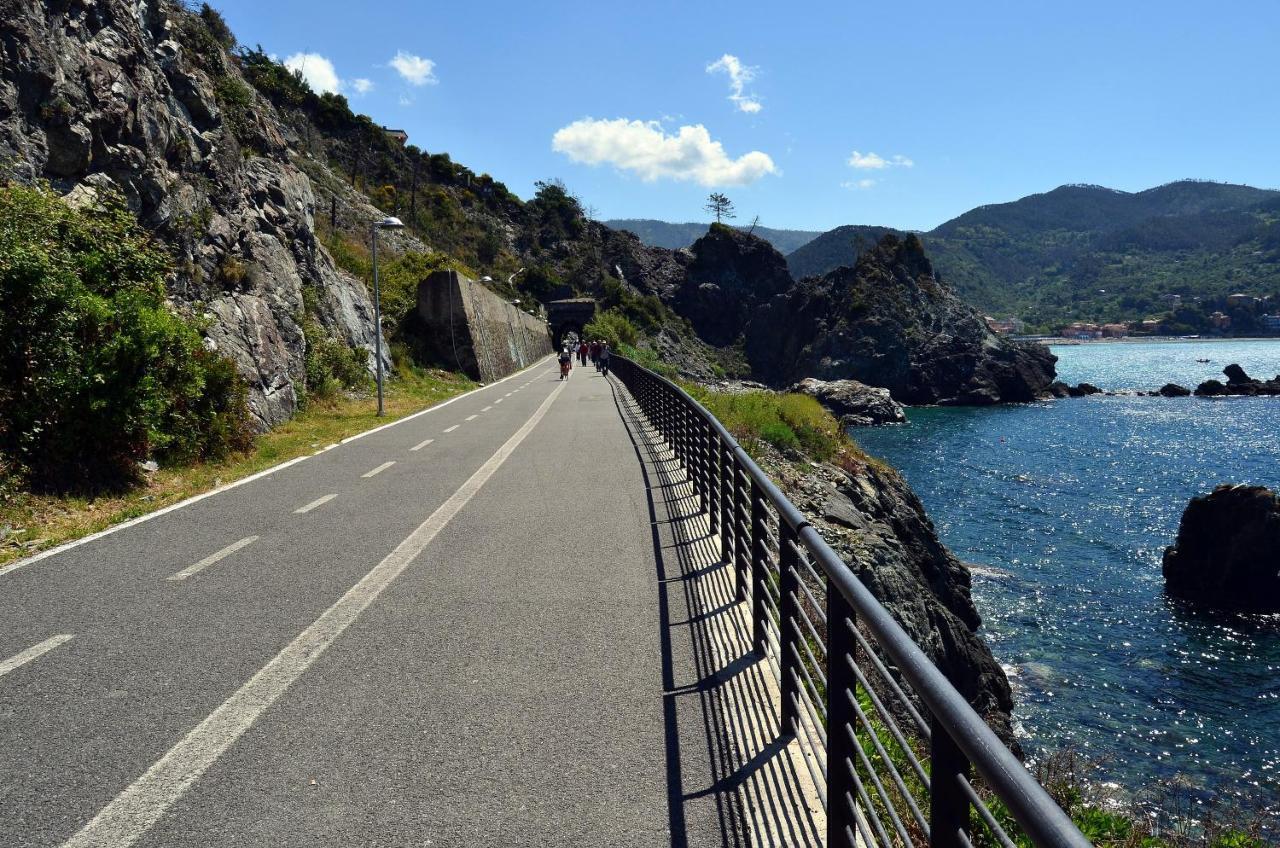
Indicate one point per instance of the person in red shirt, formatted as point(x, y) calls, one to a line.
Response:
point(582, 353)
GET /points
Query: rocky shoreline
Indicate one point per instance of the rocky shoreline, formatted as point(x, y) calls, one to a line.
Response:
point(1238, 383)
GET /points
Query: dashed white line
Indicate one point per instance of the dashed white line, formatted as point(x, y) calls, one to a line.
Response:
point(381, 468)
point(498, 401)
point(212, 558)
point(486, 409)
point(315, 503)
point(451, 429)
point(508, 394)
point(422, 444)
point(33, 652)
point(472, 417)
point(128, 817)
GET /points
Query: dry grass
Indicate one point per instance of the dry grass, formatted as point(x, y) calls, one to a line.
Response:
point(30, 523)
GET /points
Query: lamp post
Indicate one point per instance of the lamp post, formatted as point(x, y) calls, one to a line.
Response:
point(515, 343)
point(388, 223)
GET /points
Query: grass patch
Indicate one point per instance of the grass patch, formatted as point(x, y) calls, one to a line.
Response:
point(31, 523)
point(788, 422)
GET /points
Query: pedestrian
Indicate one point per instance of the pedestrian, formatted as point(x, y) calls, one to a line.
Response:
point(582, 353)
point(595, 351)
point(604, 358)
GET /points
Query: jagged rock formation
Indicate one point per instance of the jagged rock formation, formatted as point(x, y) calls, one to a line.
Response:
point(731, 274)
point(870, 516)
point(889, 322)
point(1238, 383)
point(133, 97)
point(854, 404)
point(1227, 554)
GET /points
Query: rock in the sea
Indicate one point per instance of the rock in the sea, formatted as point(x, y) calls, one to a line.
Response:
point(1227, 554)
point(1211, 388)
point(1173, 390)
point(1058, 389)
point(855, 404)
point(1236, 375)
point(1088, 389)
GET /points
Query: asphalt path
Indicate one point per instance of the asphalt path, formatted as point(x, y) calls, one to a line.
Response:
point(446, 632)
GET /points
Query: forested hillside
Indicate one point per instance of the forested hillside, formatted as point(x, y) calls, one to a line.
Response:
point(1087, 252)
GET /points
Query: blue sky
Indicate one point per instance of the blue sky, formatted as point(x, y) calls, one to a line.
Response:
point(947, 105)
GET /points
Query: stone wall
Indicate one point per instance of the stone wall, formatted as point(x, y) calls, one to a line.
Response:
point(470, 328)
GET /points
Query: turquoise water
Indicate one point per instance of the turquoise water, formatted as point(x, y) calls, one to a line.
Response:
point(1066, 507)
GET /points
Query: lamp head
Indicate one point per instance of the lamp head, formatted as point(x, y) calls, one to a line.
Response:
point(390, 222)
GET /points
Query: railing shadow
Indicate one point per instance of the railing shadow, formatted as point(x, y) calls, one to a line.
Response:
point(761, 797)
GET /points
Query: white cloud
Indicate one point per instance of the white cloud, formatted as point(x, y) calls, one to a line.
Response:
point(362, 85)
point(858, 185)
point(415, 69)
point(740, 76)
point(406, 100)
point(876, 162)
point(316, 70)
point(646, 149)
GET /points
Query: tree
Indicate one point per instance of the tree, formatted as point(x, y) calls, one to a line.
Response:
point(720, 206)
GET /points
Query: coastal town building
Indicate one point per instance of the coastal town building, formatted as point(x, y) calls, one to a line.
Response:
point(1004, 326)
point(1241, 300)
point(1173, 301)
point(399, 136)
point(1220, 320)
point(1082, 330)
point(1115, 331)
point(1271, 323)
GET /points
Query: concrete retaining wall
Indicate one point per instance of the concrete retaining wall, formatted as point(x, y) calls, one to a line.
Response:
point(470, 328)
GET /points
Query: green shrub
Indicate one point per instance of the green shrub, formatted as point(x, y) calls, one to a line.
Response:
point(613, 327)
point(96, 371)
point(331, 365)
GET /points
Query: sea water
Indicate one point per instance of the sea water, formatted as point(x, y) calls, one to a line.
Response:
point(1064, 508)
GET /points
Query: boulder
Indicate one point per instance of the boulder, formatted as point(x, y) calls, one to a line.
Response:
point(855, 404)
point(1173, 390)
point(1211, 388)
point(1058, 389)
point(1236, 375)
point(1227, 554)
point(1088, 389)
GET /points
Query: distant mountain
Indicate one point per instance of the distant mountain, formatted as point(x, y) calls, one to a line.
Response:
point(1091, 252)
point(676, 236)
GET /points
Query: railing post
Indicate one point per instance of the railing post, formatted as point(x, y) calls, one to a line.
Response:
point(842, 685)
point(788, 625)
point(948, 806)
point(712, 442)
point(724, 457)
point(741, 539)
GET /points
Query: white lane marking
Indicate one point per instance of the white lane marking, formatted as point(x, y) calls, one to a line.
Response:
point(498, 401)
point(422, 444)
point(315, 503)
point(33, 652)
point(381, 468)
point(508, 394)
point(212, 558)
point(93, 537)
point(133, 812)
point(486, 409)
point(451, 429)
point(472, 417)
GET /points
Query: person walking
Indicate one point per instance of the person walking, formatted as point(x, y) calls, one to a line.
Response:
point(604, 358)
point(582, 353)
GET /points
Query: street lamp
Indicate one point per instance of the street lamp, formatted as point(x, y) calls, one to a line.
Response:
point(388, 223)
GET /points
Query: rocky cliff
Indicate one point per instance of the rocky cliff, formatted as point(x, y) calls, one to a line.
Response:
point(139, 98)
point(869, 515)
point(890, 322)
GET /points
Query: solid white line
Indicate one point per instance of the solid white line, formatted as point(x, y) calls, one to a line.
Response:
point(133, 812)
point(451, 429)
point(486, 409)
point(315, 503)
point(33, 652)
point(212, 558)
point(422, 444)
point(472, 417)
point(116, 528)
point(381, 468)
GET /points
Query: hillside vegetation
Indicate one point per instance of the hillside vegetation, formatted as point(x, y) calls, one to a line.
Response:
point(1093, 253)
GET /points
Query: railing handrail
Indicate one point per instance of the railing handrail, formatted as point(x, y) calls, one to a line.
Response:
point(1031, 806)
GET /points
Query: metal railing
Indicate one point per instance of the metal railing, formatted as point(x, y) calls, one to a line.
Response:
point(890, 744)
